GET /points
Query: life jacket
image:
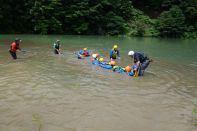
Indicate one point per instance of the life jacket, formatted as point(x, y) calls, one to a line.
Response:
point(114, 54)
point(56, 46)
point(85, 53)
point(13, 47)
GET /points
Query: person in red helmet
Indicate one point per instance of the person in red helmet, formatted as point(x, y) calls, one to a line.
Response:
point(14, 47)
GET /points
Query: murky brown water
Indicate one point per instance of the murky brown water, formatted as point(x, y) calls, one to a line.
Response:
point(44, 92)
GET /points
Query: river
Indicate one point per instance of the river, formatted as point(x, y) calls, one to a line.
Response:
point(41, 91)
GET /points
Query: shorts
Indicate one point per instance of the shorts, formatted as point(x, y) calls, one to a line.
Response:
point(13, 54)
point(144, 65)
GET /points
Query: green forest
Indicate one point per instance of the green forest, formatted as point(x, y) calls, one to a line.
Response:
point(157, 18)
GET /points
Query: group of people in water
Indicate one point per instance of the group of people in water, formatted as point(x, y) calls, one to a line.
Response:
point(140, 60)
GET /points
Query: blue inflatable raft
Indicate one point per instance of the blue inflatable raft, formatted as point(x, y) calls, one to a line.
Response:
point(102, 64)
point(81, 52)
point(122, 71)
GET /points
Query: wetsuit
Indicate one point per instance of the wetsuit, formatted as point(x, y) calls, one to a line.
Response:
point(144, 61)
point(56, 48)
point(113, 53)
point(14, 46)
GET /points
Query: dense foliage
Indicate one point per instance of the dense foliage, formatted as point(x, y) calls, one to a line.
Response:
point(166, 18)
point(166, 22)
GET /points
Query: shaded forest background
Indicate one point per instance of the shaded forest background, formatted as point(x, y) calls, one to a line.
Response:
point(165, 18)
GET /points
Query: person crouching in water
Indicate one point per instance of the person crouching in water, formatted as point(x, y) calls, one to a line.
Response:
point(14, 47)
point(141, 61)
point(114, 53)
point(56, 47)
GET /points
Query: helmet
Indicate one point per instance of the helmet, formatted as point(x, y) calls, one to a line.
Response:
point(97, 55)
point(84, 48)
point(113, 63)
point(131, 53)
point(57, 42)
point(128, 69)
point(101, 59)
point(94, 55)
point(17, 40)
point(115, 47)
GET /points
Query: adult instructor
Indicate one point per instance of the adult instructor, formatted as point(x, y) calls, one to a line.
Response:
point(141, 60)
point(14, 47)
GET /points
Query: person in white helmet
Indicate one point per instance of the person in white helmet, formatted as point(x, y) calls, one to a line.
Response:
point(141, 60)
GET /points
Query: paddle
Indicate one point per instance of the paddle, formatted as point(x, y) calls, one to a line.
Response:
point(23, 51)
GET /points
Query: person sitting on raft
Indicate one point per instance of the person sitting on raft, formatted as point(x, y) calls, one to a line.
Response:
point(114, 52)
point(95, 56)
point(141, 61)
point(14, 47)
point(112, 62)
point(56, 47)
point(101, 60)
point(95, 59)
point(130, 70)
point(85, 52)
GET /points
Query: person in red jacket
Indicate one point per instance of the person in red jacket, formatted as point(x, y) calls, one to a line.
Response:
point(14, 47)
point(85, 52)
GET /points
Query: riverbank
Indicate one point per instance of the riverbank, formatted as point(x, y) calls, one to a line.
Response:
point(133, 18)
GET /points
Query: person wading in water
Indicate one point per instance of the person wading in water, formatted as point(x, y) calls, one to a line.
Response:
point(114, 53)
point(14, 47)
point(56, 47)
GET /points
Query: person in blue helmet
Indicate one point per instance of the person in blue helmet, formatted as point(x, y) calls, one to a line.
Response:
point(141, 61)
point(114, 53)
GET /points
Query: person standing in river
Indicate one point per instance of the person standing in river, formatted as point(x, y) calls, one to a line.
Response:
point(14, 47)
point(114, 53)
point(56, 47)
point(141, 60)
